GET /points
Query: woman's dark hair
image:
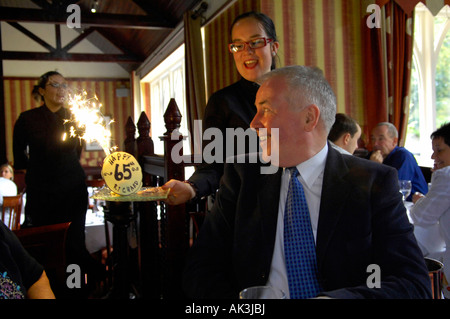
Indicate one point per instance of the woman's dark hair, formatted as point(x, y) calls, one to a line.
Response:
point(444, 132)
point(266, 23)
point(41, 84)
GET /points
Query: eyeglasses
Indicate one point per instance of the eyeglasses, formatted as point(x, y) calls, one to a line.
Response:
point(254, 44)
point(58, 85)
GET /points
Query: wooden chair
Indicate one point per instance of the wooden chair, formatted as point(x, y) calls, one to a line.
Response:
point(19, 179)
point(12, 210)
point(47, 244)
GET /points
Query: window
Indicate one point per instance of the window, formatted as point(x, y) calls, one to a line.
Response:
point(166, 82)
point(430, 81)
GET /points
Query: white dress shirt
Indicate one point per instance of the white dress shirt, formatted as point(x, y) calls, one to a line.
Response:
point(7, 188)
point(434, 209)
point(339, 149)
point(311, 177)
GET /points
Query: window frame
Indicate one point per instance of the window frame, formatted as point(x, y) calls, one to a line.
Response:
point(425, 57)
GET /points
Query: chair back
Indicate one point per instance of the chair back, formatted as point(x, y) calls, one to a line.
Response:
point(19, 179)
point(12, 210)
point(47, 244)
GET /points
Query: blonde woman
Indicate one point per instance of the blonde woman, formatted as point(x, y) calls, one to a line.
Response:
point(7, 171)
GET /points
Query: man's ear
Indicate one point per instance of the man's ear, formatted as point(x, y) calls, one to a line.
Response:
point(395, 141)
point(312, 117)
point(346, 138)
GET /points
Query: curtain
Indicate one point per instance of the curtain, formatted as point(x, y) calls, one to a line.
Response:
point(399, 57)
point(388, 52)
point(375, 88)
point(195, 80)
point(388, 57)
point(326, 34)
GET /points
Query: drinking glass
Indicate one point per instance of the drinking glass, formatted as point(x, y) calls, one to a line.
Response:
point(405, 188)
point(262, 292)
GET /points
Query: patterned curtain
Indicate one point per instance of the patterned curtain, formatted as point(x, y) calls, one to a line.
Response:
point(399, 46)
point(390, 47)
point(326, 34)
point(195, 80)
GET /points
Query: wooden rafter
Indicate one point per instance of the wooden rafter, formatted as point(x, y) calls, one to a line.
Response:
point(64, 56)
point(150, 22)
point(62, 53)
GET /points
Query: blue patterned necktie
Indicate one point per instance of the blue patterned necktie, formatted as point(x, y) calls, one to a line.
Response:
point(299, 246)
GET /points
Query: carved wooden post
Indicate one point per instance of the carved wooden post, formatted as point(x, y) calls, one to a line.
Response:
point(176, 229)
point(145, 147)
point(130, 140)
point(172, 120)
point(144, 141)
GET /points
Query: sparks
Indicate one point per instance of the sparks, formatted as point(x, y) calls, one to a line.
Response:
point(87, 117)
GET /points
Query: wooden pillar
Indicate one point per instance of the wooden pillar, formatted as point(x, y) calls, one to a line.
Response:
point(176, 237)
point(148, 219)
point(130, 140)
point(144, 141)
point(145, 147)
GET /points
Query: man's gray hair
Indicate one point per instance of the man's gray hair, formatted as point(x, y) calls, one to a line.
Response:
point(308, 84)
point(391, 129)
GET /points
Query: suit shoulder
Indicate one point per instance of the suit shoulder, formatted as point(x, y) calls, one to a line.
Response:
point(250, 163)
point(365, 164)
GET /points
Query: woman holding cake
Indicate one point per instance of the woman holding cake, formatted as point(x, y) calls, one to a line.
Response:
point(254, 47)
point(56, 187)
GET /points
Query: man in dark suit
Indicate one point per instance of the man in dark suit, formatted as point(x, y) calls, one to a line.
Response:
point(364, 244)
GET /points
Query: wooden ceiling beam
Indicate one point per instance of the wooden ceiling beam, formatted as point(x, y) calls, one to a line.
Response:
point(88, 19)
point(81, 37)
point(60, 55)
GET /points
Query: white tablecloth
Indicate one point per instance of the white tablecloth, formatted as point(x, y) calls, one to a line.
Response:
point(95, 232)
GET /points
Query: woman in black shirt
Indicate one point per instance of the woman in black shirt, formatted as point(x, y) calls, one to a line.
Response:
point(254, 47)
point(56, 188)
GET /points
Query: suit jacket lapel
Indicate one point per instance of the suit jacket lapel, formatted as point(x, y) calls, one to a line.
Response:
point(335, 191)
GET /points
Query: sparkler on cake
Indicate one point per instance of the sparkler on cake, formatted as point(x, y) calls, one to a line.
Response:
point(87, 116)
point(121, 171)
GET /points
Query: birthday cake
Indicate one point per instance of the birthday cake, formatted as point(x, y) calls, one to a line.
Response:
point(122, 173)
